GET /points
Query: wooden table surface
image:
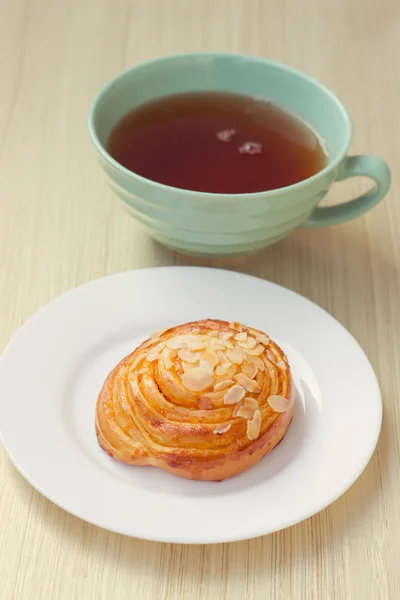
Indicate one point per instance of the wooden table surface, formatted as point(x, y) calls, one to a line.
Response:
point(60, 226)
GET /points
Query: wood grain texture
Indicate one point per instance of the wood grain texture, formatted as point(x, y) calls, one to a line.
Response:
point(60, 226)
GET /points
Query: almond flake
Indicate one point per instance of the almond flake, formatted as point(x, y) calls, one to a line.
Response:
point(221, 356)
point(188, 356)
point(251, 403)
point(195, 345)
point(180, 341)
point(222, 385)
point(212, 333)
point(241, 337)
point(235, 355)
point(278, 404)
point(206, 365)
point(236, 408)
point(249, 369)
point(154, 353)
point(249, 384)
point(226, 344)
point(213, 345)
point(168, 362)
point(194, 342)
point(175, 343)
point(222, 428)
point(188, 366)
point(136, 361)
point(210, 357)
point(142, 371)
point(223, 369)
point(249, 343)
point(157, 334)
point(234, 394)
point(205, 403)
point(236, 326)
point(271, 357)
point(256, 351)
point(225, 335)
point(281, 364)
point(263, 339)
point(248, 408)
point(257, 361)
point(254, 426)
point(197, 379)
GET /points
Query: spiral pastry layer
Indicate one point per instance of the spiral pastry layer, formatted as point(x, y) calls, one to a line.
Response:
point(204, 400)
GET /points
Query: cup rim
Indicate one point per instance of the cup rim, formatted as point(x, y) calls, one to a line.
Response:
point(208, 195)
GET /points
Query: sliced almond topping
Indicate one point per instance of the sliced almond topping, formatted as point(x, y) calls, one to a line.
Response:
point(251, 403)
point(235, 355)
point(168, 362)
point(213, 333)
point(181, 341)
point(136, 361)
point(225, 335)
point(223, 369)
point(199, 345)
point(221, 356)
point(142, 371)
point(256, 351)
point(197, 379)
point(236, 408)
point(234, 394)
point(154, 353)
point(249, 369)
point(263, 339)
point(245, 412)
point(226, 344)
point(249, 343)
point(278, 403)
point(222, 428)
point(205, 403)
point(157, 334)
point(188, 366)
point(206, 365)
point(175, 343)
point(195, 343)
point(271, 357)
point(210, 357)
point(222, 385)
point(248, 408)
point(236, 326)
point(188, 356)
point(281, 364)
point(241, 337)
point(249, 384)
point(257, 361)
point(214, 345)
point(254, 426)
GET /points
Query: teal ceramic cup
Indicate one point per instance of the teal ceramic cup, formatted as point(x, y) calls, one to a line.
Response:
point(231, 224)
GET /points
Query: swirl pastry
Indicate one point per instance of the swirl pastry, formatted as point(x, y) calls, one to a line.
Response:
point(204, 400)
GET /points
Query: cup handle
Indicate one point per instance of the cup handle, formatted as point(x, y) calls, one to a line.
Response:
point(353, 166)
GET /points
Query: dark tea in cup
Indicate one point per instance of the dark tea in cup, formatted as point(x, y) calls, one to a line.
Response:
point(216, 142)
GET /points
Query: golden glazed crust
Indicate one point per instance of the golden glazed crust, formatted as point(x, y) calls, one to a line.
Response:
point(204, 400)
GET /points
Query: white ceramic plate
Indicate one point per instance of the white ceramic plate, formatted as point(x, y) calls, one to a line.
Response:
point(53, 369)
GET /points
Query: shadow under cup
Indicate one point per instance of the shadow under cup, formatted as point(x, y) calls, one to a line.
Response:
point(227, 224)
